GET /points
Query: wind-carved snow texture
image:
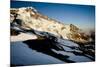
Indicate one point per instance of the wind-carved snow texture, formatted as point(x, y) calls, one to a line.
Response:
point(32, 46)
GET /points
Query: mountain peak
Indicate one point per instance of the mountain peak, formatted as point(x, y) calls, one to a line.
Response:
point(29, 19)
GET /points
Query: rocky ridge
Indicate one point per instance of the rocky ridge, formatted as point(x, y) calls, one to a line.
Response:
point(39, 35)
point(29, 18)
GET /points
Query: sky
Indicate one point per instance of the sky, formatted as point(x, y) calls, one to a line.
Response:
point(82, 16)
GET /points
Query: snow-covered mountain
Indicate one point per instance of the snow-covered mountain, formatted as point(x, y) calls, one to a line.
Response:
point(38, 39)
point(29, 18)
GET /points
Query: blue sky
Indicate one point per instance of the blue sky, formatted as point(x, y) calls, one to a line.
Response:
point(82, 16)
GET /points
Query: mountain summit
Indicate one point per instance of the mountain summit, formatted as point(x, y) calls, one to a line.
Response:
point(38, 39)
point(28, 18)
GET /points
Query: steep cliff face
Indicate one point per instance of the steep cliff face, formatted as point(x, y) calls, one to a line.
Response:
point(29, 18)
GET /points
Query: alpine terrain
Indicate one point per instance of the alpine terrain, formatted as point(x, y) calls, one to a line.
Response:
point(38, 39)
